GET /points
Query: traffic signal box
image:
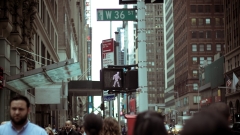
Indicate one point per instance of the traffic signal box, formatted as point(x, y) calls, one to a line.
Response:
point(1, 77)
point(127, 80)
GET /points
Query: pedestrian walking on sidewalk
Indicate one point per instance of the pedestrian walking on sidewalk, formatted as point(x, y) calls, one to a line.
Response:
point(19, 124)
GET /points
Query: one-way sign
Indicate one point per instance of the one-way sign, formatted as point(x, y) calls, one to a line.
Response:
point(116, 14)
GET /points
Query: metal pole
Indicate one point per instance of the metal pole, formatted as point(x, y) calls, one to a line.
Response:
point(110, 29)
point(110, 102)
point(118, 103)
point(198, 99)
point(118, 95)
point(142, 63)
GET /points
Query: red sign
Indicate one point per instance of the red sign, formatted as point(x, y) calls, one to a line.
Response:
point(107, 46)
point(107, 52)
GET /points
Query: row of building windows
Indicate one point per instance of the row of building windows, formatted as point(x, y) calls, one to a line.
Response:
point(207, 47)
point(48, 24)
point(233, 62)
point(185, 101)
point(218, 34)
point(207, 21)
point(206, 8)
point(201, 60)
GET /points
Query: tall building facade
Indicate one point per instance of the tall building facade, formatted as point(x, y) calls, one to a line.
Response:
point(232, 52)
point(36, 33)
point(169, 60)
point(198, 35)
point(155, 56)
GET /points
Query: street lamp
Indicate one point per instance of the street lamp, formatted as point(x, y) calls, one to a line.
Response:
point(198, 98)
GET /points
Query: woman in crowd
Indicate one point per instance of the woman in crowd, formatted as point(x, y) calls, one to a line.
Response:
point(149, 123)
point(93, 124)
point(49, 131)
point(110, 127)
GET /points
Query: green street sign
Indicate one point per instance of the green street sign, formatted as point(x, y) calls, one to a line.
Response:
point(116, 14)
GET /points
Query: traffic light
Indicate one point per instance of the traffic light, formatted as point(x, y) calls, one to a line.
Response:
point(1, 77)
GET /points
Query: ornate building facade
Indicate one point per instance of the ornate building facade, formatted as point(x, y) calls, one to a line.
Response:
point(36, 33)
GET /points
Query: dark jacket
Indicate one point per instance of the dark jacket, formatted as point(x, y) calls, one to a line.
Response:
point(72, 132)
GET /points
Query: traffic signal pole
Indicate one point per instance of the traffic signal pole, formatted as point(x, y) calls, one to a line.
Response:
point(142, 102)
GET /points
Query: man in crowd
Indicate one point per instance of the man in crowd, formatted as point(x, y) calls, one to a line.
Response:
point(68, 129)
point(19, 124)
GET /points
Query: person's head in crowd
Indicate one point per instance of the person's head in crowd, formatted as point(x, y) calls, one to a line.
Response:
point(49, 131)
point(206, 122)
point(74, 127)
point(19, 110)
point(149, 123)
point(81, 129)
point(110, 127)
point(68, 125)
point(93, 124)
point(222, 108)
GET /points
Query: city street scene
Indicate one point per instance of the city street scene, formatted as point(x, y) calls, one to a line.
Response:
point(119, 67)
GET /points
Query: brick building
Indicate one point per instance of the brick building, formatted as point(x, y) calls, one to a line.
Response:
point(198, 35)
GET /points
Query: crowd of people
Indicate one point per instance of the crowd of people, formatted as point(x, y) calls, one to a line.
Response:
point(213, 120)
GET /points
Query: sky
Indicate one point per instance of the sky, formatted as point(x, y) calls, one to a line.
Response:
point(101, 31)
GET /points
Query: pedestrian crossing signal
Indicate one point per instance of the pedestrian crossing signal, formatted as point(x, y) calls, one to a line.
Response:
point(112, 79)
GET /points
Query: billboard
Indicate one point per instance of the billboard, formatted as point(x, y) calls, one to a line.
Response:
point(107, 47)
point(112, 79)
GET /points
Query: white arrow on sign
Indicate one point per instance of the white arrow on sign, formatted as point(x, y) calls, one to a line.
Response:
point(100, 14)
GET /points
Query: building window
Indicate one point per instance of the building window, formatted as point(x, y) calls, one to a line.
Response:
point(217, 21)
point(201, 34)
point(196, 99)
point(201, 60)
point(194, 59)
point(208, 34)
point(200, 8)
point(194, 48)
point(209, 60)
point(194, 34)
point(208, 21)
point(209, 47)
point(193, 21)
point(201, 48)
point(193, 8)
point(218, 8)
point(219, 34)
point(200, 21)
point(185, 101)
point(207, 9)
point(195, 86)
point(218, 47)
point(195, 74)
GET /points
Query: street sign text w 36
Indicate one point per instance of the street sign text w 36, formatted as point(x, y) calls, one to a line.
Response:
point(116, 14)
